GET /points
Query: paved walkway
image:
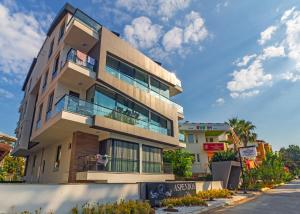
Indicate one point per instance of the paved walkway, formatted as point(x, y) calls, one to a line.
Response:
point(282, 200)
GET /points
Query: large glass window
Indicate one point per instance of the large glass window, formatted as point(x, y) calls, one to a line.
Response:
point(190, 138)
point(105, 98)
point(55, 67)
point(124, 155)
point(135, 76)
point(49, 107)
point(152, 159)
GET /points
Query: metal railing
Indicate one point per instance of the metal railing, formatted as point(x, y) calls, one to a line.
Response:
point(72, 56)
point(142, 86)
point(85, 20)
point(92, 163)
point(76, 105)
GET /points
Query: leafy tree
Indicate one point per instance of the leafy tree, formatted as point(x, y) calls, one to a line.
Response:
point(12, 168)
point(291, 158)
point(244, 130)
point(228, 155)
point(181, 161)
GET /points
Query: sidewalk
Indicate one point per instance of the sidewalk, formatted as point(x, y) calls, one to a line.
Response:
point(216, 203)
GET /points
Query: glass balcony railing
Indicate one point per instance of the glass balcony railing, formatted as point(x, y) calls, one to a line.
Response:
point(84, 61)
point(85, 20)
point(141, 85)
point(181, 137)
point(78, 106)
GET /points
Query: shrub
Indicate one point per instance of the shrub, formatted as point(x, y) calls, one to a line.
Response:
point(210, 194)
point(184, 201)
point(122, 207)
point(228, 155)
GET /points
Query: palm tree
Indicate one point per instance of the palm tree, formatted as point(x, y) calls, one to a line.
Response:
point(244, 130)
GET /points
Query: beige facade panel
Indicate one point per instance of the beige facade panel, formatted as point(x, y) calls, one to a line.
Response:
point(121, 127)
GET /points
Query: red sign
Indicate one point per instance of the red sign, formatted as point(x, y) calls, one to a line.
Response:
point(213, 147)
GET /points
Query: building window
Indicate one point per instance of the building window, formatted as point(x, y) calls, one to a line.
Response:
point(124, 155)
point(61, 31)
point(49, 107)
point(51, 48)
point(152, 159)
point(190, 138)
point(55, 67)
point(38, 121)
point(136, 76)
point(121, 108)
point(211, 139)
point(198, 157)
point(57, 157)
point(45, 81)
point(43, 167)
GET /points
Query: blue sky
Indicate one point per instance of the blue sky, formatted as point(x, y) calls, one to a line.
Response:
point(235, 58)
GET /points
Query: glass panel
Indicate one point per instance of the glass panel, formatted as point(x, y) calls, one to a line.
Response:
point(155, 85)
point(105, 98)
point(152, 159)
point(164, 90)
point(191, 138)
point(142, 79)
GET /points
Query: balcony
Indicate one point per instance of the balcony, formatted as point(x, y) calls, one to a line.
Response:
point(89, 168)
point(77, 71)
point(144, 87)
point(82, 107)
point(82, 32)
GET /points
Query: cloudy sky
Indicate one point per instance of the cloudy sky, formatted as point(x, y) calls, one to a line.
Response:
point(235, 58)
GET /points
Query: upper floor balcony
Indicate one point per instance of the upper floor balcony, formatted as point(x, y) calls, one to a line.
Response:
point(82, 32)
point(78, 70)
point(82, 107)
point(143, 82)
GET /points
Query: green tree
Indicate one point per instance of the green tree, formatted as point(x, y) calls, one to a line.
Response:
point(181, 161)
point(12, 168)
point(245, 130)
point(291, 158)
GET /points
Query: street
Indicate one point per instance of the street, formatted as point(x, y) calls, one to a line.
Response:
point(284, 199)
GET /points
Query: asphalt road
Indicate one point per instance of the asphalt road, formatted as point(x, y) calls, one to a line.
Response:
point(282, 200)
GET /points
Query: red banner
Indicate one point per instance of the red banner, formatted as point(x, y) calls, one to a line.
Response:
point(213, 147)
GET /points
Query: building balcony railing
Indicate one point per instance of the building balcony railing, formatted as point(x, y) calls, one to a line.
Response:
point(143, 86)
point(88, 63)
point(85, 20)
point(110, 164)
point(78, 106)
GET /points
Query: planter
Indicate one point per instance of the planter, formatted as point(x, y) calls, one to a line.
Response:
point(227, 171)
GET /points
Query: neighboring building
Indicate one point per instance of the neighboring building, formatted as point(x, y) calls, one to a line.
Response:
point(203, 140)
point(95, 109)
point(262, 149)
point(6, 144)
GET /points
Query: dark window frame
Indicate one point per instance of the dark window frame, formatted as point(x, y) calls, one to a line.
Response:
point(57, 160)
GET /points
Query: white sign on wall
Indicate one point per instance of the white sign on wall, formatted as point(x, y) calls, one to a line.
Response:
point(248, 152)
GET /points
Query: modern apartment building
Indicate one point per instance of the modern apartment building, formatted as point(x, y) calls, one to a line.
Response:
point(203, 140)
point(95, 109)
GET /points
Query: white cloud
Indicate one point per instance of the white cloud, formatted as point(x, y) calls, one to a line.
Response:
point(6, 94)
point(287, 14)
point(164, 9)
point(248, 78)
point(221, 5)
point(142, 33)
point(293, 38)
point(273, 51)
point(290, 76)
point(245, 60)
point(267, 34)
point(244, 94)
point(195, 30)
point(173, 39)
point(20, 39)
point(220, 101)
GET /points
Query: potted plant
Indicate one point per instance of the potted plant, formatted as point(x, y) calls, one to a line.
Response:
point(226, 168)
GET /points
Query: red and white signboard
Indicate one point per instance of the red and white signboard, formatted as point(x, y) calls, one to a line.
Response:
point(212, 147)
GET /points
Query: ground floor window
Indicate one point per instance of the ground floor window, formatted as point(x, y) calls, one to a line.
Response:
point(123, 156)
point(152, 159)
